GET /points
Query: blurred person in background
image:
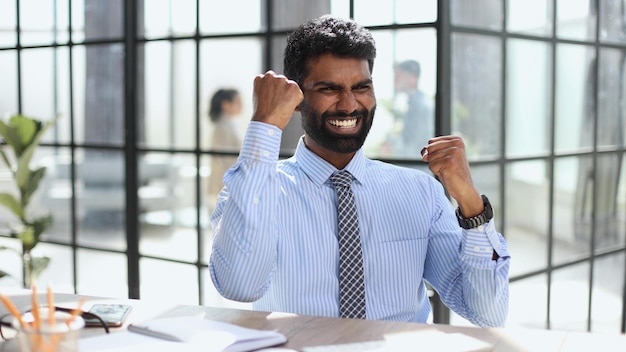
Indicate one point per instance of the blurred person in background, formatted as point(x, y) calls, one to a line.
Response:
point(224, 110)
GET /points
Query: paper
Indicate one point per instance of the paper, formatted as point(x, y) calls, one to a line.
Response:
point(190, 333)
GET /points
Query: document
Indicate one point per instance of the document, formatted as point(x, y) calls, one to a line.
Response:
point(184, 334)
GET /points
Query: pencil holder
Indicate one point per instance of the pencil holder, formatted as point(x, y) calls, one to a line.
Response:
point(41, 335)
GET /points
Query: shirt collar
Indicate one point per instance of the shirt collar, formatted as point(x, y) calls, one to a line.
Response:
point(319, 170)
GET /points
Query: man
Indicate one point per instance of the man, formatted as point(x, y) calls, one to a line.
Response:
point(276, 235)
point(416, 112)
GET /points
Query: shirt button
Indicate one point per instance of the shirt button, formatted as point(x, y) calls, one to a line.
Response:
point(488, 249)
point(270, 132)
point(265, 153)
point(476, 249)
point(255, 200)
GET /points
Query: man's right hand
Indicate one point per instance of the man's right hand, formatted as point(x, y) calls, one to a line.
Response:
point(275, 99)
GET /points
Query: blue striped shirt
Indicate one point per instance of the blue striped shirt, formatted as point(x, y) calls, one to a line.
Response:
point(275, 239)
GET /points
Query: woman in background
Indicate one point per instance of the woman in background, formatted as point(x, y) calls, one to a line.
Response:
point(225, 109)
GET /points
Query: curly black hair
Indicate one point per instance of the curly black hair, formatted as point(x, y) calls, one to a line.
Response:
point(326, 34)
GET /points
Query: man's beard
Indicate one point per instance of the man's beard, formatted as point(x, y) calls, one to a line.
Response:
point(314, 124)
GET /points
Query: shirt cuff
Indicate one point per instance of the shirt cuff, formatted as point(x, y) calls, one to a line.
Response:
point(481, 241)
point(261, 142)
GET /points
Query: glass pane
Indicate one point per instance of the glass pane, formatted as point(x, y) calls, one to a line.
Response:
point(104, 105)
point(572, 208)
point(288, 14)
point(170, 81)
point(486, 14)
point(247, 58)
point(521, 312)
point(169, 18)
point(54, 194)
point(609, 222)
point(412, 11)
point(37, 22)
point(606, 298)
point(369, 12)
point(340, 8)
point(59, 273)
point(10, 261)
point(207, 202)
point(103, 19)
point(164, 281)
point(527, 215)
point(45, 93)
point(575, 20)
point(79, 93)
point(61, 21)
point(8, 86)
point(528, 122)
point(569, 298)
point(38, 83)
point(167, 199)
point(574, 97)
point(101, 199)
point(234, 16)
point(533, 17)
point(611, 120)
point(78, 21)
point(477, 93)
point(61, 132)
point(405, 78)
point(8, 24)
point(612, 26)
point(102, 274)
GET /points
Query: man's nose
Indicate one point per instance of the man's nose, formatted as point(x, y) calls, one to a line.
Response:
point(347, 102)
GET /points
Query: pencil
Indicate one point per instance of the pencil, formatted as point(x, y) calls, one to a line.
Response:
point(51, 308)
point(12, 309)
point(76, 311)
point(35, 308)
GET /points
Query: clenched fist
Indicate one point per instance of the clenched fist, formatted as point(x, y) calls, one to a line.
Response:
point(275, 99)
point(445, 156)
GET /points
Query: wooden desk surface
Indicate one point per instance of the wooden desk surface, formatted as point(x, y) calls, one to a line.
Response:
point(307, 331)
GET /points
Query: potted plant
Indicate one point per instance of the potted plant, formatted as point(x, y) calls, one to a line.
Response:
point(22, 136)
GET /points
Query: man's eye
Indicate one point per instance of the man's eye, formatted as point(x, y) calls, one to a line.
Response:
point(327, 90)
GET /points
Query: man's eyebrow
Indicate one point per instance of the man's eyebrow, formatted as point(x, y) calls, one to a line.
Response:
point(336, 85)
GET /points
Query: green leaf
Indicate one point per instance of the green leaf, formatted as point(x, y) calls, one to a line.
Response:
point(34, 179)
point(39, 264)
point(4, 274)
point(7, 162)
point(39, 226)
point(23, 162)
point(11, 137)
point(28, 238)
point(14, 205)
point(26, 129)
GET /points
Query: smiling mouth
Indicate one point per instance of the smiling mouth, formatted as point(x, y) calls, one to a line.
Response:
point(343, 123)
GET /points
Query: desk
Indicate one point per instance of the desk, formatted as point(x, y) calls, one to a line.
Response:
point(305, 331)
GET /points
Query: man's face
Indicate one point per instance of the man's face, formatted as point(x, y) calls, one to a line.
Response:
point(339, 104)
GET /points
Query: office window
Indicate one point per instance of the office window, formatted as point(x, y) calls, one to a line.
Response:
point(536, 88)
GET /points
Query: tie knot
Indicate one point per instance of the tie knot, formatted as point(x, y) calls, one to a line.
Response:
point(341, 179)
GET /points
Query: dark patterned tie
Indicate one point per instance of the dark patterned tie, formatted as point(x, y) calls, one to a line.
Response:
point(351, 282)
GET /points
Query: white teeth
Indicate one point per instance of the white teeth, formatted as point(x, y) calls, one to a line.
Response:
point(343, 123)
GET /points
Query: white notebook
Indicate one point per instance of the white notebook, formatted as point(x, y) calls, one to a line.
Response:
point(184, 334)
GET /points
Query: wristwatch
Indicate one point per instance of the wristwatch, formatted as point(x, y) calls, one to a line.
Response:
point(482, 218)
